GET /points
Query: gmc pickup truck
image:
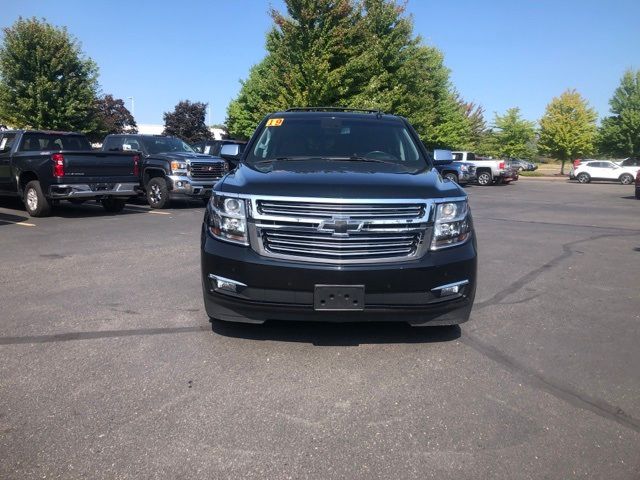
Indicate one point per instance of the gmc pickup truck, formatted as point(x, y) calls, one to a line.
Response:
point(337, 215)
point(488, 170)
point(170, 168)
point(459, 172)
point(44, 167)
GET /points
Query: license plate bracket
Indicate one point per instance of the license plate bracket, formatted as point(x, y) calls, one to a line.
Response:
point(338, 297)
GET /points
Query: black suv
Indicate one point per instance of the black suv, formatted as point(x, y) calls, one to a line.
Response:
point(337, 215)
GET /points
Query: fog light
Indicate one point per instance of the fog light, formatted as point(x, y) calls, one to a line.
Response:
point(449, 289)
point(180, 184)
point(221, 283)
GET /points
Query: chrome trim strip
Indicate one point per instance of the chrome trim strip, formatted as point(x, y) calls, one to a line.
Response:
point(78, 190)
point(223, 279)
point(454, 284)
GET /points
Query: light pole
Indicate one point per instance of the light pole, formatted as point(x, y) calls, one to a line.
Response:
point(133, 107)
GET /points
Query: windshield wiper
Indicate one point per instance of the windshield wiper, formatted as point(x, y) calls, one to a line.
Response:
point(352, 158)
point(358, 158)
point(287, 159)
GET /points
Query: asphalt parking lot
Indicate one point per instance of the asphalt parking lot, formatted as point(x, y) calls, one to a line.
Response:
point(109, 367)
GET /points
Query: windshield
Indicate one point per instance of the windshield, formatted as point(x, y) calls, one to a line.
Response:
point(166, 144)
point(331, 138)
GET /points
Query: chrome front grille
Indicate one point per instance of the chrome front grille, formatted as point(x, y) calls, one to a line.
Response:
point(360, 245)
point(328, 210)
point(207, 170)
point(341, 231)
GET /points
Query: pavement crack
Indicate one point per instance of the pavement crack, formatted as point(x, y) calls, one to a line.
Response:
point(556, 224)
point(526, 279)
point(66, 337)
point(562, 392)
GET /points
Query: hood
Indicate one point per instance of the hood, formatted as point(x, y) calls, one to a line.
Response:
point(325, 179)
point(182, 156)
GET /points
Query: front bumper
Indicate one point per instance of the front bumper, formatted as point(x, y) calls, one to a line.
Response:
point(509, 175)
point(274, 289)
point(94, 190)
point(466, 177)
point(190, 187)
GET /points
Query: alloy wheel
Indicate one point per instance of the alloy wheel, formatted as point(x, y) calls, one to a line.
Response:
point(32, 199)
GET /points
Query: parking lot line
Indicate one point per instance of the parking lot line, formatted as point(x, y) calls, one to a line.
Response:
point(25, 224)
point(155, 212)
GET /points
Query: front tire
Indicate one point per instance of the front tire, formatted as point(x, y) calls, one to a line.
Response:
point(158, 193)
point(626, 179)
point(35, 202)
point(113, 205)
point(485, 178)
point(451, 176)
point(583, 177)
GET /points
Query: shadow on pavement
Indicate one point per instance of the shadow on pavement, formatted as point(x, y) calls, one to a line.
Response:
point(8, 219)
point(337, 334)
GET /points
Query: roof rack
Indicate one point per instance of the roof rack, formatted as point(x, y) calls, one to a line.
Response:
point(334, 109)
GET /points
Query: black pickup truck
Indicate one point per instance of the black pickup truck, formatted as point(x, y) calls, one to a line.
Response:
point(170, 168)
point(337, 215)
point(44, 167)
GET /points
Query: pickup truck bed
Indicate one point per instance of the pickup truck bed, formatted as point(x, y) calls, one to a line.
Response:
point(44, 167)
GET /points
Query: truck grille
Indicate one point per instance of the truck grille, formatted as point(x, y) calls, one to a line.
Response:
point(342, 232)
point(361, 245)
point(207, 170)
point(328, 210)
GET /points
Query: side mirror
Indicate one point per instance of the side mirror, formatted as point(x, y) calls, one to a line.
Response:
point(231, 153)
point(441, 157)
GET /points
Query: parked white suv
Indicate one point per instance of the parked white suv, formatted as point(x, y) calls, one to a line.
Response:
point(604, 170)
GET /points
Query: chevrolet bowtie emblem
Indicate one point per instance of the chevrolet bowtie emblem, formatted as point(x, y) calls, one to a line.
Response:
point(340, 226)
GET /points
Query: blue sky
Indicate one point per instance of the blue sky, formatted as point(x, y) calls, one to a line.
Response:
point(501, 53)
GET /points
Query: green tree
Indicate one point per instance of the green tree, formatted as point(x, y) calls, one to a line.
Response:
point(361, 55)
point(187, 121)
point(513, 136)
point(620, 132)
point(568, 128)
point(477, 124)
point(45, 79)
point(112, 116)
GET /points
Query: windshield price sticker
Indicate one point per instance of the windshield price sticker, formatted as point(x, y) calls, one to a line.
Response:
point(275, 122)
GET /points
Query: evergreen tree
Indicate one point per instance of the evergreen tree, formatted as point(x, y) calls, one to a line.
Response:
point(620, 132)
point(45, 80)
point(568, 128)
point(187, 121)
point(360, 55)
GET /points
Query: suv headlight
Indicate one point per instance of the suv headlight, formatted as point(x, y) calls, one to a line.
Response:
point(464, 168)
point(228, 219)
point(178, 167)
point(452, 225)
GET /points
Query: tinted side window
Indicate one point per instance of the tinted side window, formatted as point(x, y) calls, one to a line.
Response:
point(113, 144)
point(471, 156)
point(47, 141)
point(6, 140)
